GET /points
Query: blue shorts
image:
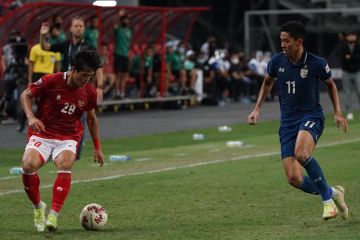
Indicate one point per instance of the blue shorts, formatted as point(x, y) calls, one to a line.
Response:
point(288, 133)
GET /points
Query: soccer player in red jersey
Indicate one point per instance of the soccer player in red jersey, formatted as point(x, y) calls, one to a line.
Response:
point(55, 130)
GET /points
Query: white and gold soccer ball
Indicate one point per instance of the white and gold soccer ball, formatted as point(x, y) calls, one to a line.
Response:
point(93, 217)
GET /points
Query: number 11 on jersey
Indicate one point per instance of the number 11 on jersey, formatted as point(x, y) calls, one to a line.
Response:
point(291, 87)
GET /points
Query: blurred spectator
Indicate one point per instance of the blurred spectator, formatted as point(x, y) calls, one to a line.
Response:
point(175, 70)
point(91, 32)
point(144, 65)
point(156, 71)
point(221, 66)
point(350, 63)
point(182, 49)
point(257, 70)
point(121, 56)
point(209, 84)
point(57, 34)
point(207, 49)
point(42, 62)
point(191, 75)
point(54, 36)
point(108, 69)
point(241, 85)
point(14, 62)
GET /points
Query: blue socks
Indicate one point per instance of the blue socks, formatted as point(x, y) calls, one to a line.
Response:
point(308, 186)
point(316, 175)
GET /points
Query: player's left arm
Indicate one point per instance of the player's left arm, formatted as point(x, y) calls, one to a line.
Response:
point(93, 127)
point(340, 121)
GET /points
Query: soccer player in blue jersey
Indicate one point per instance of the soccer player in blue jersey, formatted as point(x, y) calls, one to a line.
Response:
point(298, 75)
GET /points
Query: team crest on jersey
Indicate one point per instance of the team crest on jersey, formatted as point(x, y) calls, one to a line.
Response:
point(81, 103)
point(58, 97)
point(304, 71)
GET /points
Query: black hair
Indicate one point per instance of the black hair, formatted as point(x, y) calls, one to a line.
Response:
point(86, 59)
point(296, 29)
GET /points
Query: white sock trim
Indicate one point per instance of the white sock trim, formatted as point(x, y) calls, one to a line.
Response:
point(334, 192)
point(53, 212)
point(328, 201)
point(64, 171)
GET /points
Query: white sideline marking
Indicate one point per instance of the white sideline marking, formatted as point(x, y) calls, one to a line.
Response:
point(8, 177)
point(182, 166)
point(143, 159)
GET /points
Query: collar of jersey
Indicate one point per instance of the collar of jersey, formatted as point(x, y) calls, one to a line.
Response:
point(301, 62)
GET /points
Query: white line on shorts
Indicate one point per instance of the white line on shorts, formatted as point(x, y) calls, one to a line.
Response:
point(183, 166)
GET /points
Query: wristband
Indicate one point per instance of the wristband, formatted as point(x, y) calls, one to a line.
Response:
point(96, 144)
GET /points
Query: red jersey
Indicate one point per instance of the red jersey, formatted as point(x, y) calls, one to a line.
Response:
point(60, 107)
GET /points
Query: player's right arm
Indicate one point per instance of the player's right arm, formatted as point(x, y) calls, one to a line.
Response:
point(266, 87)
point(43, 31)
point(26, 104)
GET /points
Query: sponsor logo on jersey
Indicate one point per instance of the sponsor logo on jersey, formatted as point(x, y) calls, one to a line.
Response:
point(327, 68)
point(317, 179)
point(304, 71)
point(281, 69)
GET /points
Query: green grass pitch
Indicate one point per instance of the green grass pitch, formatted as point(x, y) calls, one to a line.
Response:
point(178, 188)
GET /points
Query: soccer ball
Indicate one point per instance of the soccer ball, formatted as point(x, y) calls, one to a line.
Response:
point(93, 217)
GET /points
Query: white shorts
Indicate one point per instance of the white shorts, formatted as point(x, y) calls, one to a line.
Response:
point(53, 147)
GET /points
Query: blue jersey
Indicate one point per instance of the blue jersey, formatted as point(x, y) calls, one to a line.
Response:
point(299, 85)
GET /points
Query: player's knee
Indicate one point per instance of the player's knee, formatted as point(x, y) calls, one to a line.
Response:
point(28, 165)
point(301, 154)
point(65, 165)
point(294, 180)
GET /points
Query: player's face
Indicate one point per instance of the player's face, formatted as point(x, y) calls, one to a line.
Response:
point(77, 28)
point(290, 45)
point(80, 78)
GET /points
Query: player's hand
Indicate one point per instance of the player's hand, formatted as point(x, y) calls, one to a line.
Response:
point(253, 117)
point(36, 124)
point(99, 157)
point(100, 94)
point(45, 28)
point(341, 122)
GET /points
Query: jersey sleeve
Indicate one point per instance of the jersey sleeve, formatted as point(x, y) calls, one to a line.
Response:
point(92, 102)
point(32, 56)
point(270, 70)
point(57, 57)
point(325, 72)
point(40, 87)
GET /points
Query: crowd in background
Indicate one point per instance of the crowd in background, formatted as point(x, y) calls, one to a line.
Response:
point(130, 71)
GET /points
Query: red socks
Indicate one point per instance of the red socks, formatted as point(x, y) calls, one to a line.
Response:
point(60, 190)
point(31, 183)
